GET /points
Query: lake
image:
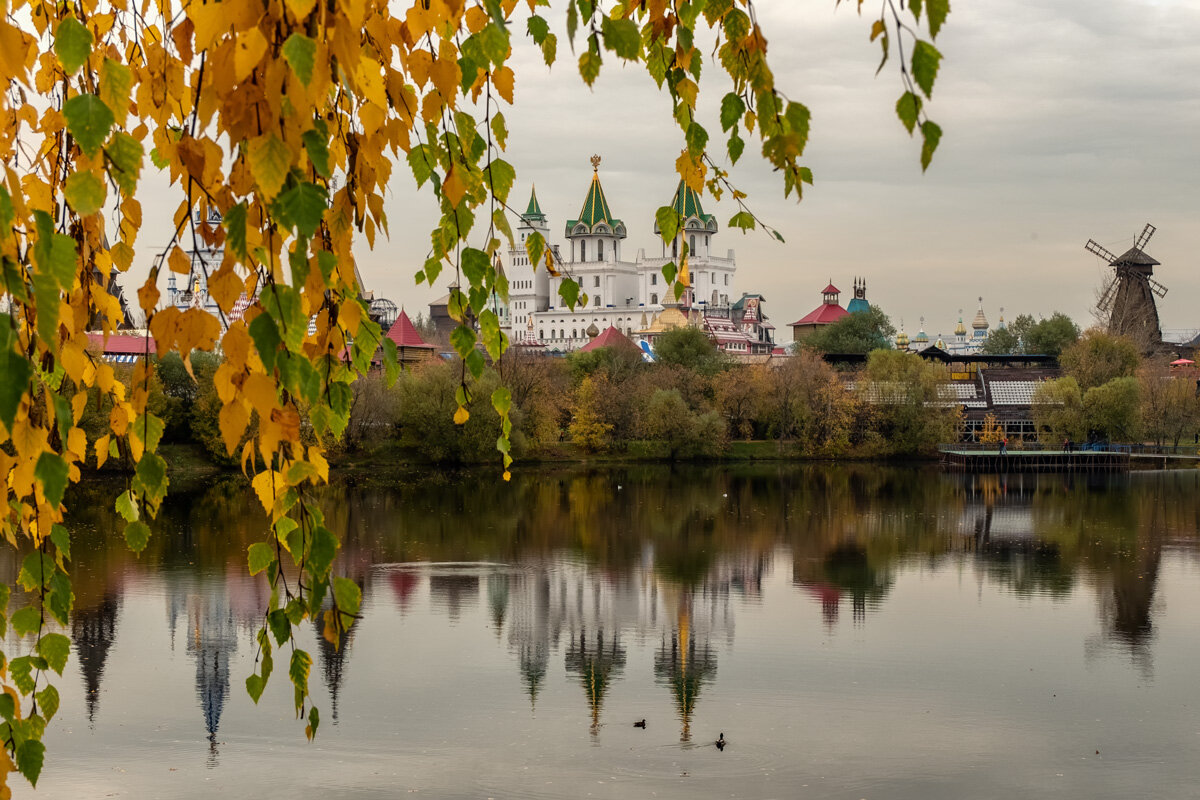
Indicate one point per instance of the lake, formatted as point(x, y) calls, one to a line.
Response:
point(853, 632)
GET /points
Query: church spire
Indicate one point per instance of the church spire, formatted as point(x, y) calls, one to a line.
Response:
point(534, 212)
point(595, 216)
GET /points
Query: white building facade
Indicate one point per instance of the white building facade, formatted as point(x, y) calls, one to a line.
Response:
point(625, 294)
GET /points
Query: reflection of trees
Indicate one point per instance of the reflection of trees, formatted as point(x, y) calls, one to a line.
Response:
point(596, 662)
point(94, 630)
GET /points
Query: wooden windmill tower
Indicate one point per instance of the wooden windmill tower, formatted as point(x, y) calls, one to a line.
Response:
point(1128, 296)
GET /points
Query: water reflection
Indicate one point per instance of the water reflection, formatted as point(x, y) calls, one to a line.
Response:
point(604, 578)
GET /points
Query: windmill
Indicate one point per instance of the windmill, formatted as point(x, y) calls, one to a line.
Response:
point(1128, 295)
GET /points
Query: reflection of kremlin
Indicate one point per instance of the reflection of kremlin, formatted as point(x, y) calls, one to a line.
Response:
point(212, 638)
point(845, 569)
point(596, 612)
point(93, 631)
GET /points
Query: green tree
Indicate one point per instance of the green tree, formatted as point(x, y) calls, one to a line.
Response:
point(668, 419)
point(860, 332)
point(1111, 410)
point(1170, 405)
point(1058, 411)
point(1000, 342)
point(907, 414)
point(1051, 336)
point(1099, 357)
point(690, 349)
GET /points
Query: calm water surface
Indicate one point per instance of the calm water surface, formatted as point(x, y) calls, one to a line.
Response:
point(855, 632)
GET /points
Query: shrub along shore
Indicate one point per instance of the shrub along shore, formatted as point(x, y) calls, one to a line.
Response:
point(693, 403)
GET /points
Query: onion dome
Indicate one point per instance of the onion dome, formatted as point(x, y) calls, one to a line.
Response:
point(960, 329)
point(1000, 324)
point(922, 337)
point(901, 338)
point(592, 331)
point(939, 344)
point(980, 322)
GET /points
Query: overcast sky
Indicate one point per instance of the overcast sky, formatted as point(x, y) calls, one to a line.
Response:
point(1063, 121)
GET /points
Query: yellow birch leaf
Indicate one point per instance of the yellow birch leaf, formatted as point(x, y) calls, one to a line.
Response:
point(453, 188)
point(102, 450)
point(265, 485)
point(77, 443)
point(503, 79)
point(461, 416)
point(260, 390)
point(179, 262)
point(233, 420)
point(301, 8)
point(79, 404)
point(122, 256)
point(251, 45)
point(210, 19)
point(317, 459)
point(74, 360)
point(225, 286)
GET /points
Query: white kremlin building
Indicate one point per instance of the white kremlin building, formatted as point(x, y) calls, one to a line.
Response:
point(629, 295)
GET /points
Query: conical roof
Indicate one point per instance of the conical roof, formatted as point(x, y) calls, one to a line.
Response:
point(686, 203)
point(980, 322)
point(534, 211)
point(404, 333)
point(595, 209)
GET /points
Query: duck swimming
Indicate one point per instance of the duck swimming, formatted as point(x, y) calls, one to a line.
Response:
point(640, 724)
point(720, 742)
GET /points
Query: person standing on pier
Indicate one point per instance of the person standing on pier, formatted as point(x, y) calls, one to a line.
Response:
point(1004, 446)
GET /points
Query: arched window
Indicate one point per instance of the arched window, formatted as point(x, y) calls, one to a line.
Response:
point(654, 279)
point(542, 333)
point(583, 251)
point(574, 333)
point(692, 243)
point(600, 250)
point(596, 300)
point(596, 281)
point(714, 302)
point(654, 299)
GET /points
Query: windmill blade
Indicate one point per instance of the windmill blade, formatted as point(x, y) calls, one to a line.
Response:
point(1093, 246)
point(1106, 299)
point(1156, 287)
point(1144, 239)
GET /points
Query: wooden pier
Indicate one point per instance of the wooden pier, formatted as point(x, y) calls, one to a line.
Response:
point(972, 460)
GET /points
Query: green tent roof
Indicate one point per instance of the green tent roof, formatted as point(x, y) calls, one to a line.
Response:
point(534, 212)
point(595, 211)
point(687, 203)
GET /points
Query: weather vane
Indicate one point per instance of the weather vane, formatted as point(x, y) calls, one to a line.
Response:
point(596, 163)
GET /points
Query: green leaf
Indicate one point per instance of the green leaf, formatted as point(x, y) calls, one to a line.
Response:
point(550, 49)
point(500, 176)
point(907, 108)
point(21, 670)
point(937, 11)
point(31, 753)
point(925, 62)
point(321, 554)
point(234, 222)
point(62, 542)
point(931, 134)
point(72, 44)
point(60, 599)
point(48, 702)
point(137, 535)
point(589, 65)
point(622, 37)
point(298, 671)
point(301, 53)
point(537, 27)
point(493, 40)
point(150, 478)
point(126, 154)
point(85, 193)
point(915, 7)
point(54, 253)
point(732, 109)
point(668, 221)
point(36, 569)
point(260, 557)
point(475, 265)
point(301, 207)
point(89, 120)
point(281, 626)
point(462, 339)
point(15, 372)
point(535, 248)
point(743, 220)
point(254, 687)
point(266, 339)
point(347, 595)
point(318, 151)
point(314, 722)
point(53, 472)
point(148, 429)
point(697, 138)
point(568, 290)
point(8, 707)
point(54, 647)
point(736, 145)
point(391, 365)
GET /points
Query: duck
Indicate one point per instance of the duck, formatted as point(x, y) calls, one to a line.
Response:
point(720, 742)
point(640, 724)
